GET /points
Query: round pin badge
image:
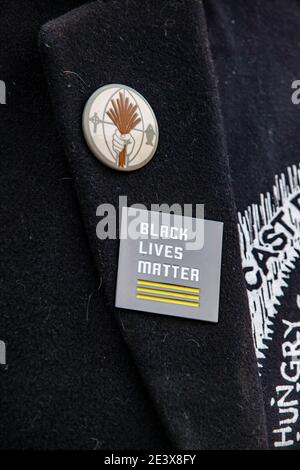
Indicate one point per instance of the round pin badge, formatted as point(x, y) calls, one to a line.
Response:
point(120, 127)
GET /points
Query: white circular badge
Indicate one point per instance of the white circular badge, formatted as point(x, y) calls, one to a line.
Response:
point(120, 127)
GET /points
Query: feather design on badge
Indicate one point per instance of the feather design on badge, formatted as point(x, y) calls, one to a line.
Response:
point(125, 117)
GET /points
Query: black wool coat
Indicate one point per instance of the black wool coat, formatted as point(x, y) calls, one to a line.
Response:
point(80, 373)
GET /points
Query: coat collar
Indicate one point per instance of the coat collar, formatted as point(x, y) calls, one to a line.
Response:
point(201, 377)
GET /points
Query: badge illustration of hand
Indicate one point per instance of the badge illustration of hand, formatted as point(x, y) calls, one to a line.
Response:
point(123, 142)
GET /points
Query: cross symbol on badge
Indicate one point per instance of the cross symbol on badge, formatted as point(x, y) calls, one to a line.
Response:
point(95, 121)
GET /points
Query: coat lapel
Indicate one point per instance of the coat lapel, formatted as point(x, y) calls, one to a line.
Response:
point(201, 377)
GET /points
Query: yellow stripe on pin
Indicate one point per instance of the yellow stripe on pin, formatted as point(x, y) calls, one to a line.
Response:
point(164, 285)
point(170, 301)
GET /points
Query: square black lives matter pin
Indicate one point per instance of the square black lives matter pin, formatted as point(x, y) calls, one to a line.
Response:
point(169, 264)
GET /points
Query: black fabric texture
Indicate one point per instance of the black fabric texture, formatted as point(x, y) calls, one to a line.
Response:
point(70, 382)
point(256, 52)
point(202, 378)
